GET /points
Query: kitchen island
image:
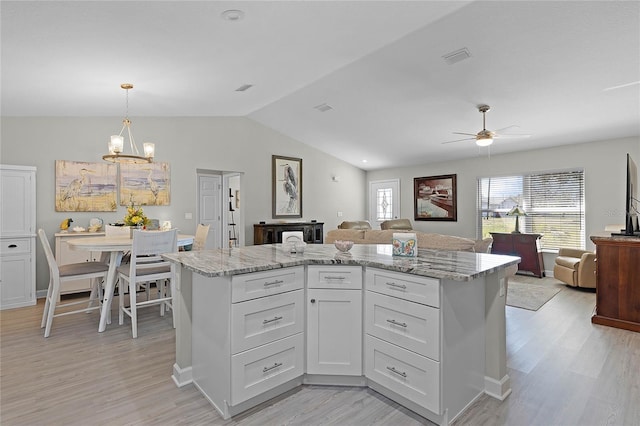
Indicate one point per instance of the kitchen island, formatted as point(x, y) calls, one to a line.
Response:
point(427, 332)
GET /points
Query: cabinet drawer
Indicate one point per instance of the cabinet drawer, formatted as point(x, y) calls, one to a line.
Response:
point(410, 287)
point(410, 325)
point(330, 276)
point(265, 367)
point(259, 321)
point(15, 246)
point(413, 376)
point(260, 284)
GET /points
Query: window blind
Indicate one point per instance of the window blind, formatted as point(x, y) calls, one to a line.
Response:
point(553, 202)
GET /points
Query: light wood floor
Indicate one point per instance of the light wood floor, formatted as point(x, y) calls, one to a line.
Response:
point(564, 371)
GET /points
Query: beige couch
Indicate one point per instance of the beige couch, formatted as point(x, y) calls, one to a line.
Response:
point(425, 240)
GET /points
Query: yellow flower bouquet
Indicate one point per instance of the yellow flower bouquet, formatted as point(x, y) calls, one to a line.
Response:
point(135, 217)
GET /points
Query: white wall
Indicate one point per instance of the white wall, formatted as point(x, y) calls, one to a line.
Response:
point(604, 163)
point(215, 143)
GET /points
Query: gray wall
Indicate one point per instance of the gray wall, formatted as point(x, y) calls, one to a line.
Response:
point(604, 163)
point(233, 144)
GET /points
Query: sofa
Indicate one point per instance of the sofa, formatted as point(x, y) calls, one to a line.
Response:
point(425, 240)
point(575, 267)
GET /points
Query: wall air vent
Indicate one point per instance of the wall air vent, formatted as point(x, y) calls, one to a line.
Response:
point(323, 107)
point(457, 56)
point(244, 87)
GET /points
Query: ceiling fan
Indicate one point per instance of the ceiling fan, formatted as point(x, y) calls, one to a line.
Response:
point(485, 137)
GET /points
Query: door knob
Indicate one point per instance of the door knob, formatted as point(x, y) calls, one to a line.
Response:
point(313, 300)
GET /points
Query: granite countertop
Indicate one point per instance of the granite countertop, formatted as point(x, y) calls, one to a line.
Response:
point(458, 266)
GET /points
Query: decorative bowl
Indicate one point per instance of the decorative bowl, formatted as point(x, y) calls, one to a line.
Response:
point(343, 246)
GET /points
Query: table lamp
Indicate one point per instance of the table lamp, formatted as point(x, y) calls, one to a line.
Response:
point(517, 212)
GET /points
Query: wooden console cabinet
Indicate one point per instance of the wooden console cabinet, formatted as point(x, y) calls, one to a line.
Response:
point(525, 246)
point(617, 282)
point(271, 233)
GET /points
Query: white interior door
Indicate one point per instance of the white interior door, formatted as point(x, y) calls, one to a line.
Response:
point(210, 210)
point(384, 201)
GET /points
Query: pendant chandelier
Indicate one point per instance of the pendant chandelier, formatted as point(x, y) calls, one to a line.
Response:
point(116, 144)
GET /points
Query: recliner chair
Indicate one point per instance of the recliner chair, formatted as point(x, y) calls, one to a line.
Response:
point(576, 268)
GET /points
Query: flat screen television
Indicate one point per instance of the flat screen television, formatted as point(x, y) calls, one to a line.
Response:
point(631, 226)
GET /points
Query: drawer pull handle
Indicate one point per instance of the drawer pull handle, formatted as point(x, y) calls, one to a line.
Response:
point(12, 246)
point(275, 365)
point(272, 320)
point(394, 322)
point(273, 283)
point(399, 373)
point(392, 284)
point(328, 277)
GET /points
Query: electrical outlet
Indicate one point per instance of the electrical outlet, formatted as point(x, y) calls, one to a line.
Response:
point(188, 216)
point(339, 214)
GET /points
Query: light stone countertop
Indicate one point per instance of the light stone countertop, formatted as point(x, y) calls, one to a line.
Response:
point(457, 266)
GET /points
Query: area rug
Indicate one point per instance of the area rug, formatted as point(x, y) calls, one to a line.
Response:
point(531, 293)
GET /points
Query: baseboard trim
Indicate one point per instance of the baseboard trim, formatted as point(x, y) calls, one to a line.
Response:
point(498, 389)
point(182, 376)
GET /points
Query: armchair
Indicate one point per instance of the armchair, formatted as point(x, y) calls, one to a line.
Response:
point(576, 267)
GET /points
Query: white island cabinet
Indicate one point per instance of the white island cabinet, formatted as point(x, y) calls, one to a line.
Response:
point(334, 322)
point(248, 341)
point(428, 333)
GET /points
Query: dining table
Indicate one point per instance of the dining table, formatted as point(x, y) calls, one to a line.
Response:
point(113, 248)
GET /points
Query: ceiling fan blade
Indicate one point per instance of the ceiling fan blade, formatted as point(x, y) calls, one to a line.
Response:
point(506, 128)
point(511, 136)
point(461, 133)
point(459, 140)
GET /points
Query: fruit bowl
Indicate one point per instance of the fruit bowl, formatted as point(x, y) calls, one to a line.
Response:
point(343, 246)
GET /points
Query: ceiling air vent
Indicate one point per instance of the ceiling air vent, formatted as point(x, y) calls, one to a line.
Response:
point(457, 56)
point(323, 107)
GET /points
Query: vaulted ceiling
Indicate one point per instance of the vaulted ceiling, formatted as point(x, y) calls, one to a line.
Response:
point(361, 80)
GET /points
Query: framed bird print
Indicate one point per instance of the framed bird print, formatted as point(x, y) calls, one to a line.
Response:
point(286, 187)
point(86, 187)
point(145, 184)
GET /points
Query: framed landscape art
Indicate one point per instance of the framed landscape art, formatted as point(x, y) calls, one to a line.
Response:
point(286, 187)
point(86, 187)
point(145, 184)
point(435, 198)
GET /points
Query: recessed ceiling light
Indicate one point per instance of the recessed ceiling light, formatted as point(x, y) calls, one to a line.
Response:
point(364, 161)
point(232, 15)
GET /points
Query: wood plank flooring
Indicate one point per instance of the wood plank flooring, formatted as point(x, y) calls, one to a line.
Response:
point(564, 371)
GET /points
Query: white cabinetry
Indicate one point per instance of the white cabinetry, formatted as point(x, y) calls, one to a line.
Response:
point(17, 235)
point(65, 255)
point(334, 320)
point(248, 340)
point(424, 343)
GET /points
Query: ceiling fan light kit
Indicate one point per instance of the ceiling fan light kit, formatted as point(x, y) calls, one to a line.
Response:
point(485, 137)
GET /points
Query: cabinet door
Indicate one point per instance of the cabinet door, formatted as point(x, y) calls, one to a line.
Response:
point(334, 332)
point(17, 192)
point(15, 276)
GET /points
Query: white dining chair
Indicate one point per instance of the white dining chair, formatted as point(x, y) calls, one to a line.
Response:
point(60, 274)
point(146, 266)
point(200, 240)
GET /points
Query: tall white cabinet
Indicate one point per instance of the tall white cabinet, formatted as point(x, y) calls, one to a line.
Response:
point(18, 236)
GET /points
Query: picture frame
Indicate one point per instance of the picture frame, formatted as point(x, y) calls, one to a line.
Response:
point(145, 184)
point(435, 198)
point(85, 187)
point(286, 187)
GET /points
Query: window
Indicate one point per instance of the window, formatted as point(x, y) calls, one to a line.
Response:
point(553, 203)
point(384, 198)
